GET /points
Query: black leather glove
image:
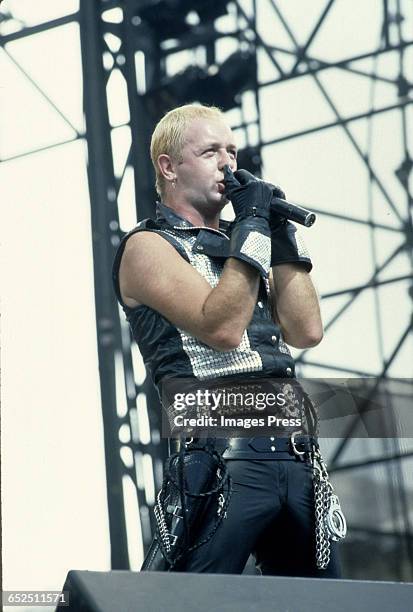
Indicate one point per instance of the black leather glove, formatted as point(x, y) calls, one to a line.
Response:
point(250, 236)
point(287, 246)
point(275, 219)
point(250, 196)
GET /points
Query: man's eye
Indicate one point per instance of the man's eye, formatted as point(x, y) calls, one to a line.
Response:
point(233, 153)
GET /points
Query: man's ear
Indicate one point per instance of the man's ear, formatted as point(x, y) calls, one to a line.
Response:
point(167, 167)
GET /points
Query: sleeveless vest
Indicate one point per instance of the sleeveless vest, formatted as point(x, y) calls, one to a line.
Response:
point(168, 351)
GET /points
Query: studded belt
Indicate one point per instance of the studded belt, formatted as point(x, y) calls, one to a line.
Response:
point(259, 448)
point(270, 448)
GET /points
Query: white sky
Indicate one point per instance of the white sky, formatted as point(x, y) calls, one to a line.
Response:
point(54, 499)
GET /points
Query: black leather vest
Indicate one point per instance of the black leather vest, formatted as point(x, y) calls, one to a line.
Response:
point(169, 351)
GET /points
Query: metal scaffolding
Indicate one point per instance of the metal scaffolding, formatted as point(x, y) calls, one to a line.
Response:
point(143, 58)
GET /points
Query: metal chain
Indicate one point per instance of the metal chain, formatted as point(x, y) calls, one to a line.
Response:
point(321, 498)
point(161, 523)
point(223, 488)
point(330, 523)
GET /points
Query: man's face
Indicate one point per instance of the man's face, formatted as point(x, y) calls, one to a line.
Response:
point(209, 144)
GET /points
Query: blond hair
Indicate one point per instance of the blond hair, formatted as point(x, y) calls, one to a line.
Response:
point(169, 134)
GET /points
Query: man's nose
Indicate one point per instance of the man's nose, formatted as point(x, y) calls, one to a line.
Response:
point(226, 159)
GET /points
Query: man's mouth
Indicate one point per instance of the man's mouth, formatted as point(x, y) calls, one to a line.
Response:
point(221, 187)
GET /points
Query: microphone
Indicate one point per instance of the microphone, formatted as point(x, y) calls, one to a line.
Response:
point(294, 212)
point(285, 209)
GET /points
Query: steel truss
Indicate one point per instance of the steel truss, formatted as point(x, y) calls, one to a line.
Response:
point(113, 36)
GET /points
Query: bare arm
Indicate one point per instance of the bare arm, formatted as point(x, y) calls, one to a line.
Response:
point(296, 307)
point(154, 274)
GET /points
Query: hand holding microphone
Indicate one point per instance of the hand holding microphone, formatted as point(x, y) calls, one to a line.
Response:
point(279, 206)
point(250, 197)
point(266, 208)
point(251, 235)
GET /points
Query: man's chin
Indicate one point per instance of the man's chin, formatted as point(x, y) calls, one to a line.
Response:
point(219, 199)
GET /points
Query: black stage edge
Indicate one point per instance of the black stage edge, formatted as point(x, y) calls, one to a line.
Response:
point(122, 591)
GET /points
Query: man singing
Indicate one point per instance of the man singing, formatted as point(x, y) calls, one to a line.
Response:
point(210, 299)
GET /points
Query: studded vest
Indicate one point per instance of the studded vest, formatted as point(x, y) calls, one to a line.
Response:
point(172, 352)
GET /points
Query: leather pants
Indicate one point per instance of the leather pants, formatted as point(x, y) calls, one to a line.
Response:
point(271, 515)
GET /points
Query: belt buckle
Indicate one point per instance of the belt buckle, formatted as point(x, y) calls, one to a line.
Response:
point(293, 444)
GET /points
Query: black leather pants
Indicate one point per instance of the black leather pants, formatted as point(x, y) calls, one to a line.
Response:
point(270, 515)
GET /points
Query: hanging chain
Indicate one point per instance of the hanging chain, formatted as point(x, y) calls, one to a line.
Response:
point(222, 490)
point(162, 526)
point(321, 508)
point(330, 523)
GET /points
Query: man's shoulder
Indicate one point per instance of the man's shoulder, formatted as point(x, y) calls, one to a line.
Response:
point(146, 232)
point(145, 224)
point(143, 230)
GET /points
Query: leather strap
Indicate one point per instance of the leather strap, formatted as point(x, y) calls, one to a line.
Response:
point(259, 448)
point(272, 444)
point(270, 448)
